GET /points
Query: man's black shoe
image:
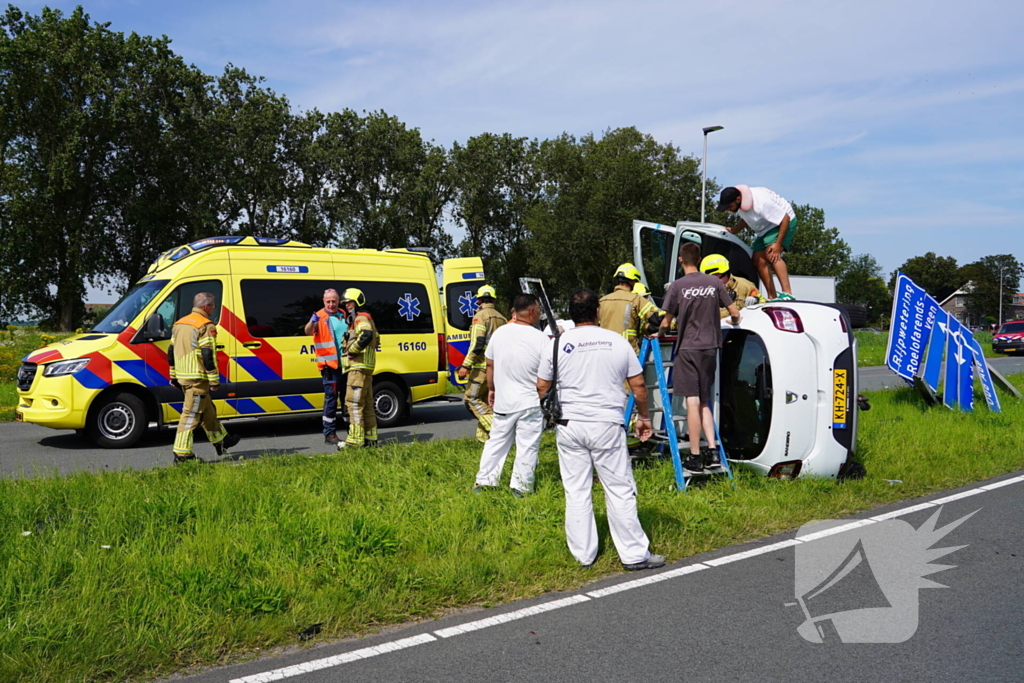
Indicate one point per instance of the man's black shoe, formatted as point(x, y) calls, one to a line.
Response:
point(710, 457)
point(229, 441)
point(652, 562)
point(694, 463)
point(332, 440)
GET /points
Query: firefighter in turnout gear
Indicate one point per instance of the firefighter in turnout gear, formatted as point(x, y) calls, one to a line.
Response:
point(742, 291)
point(485, 321)
point(360, 346)
point(626, 312)
point(192, 357)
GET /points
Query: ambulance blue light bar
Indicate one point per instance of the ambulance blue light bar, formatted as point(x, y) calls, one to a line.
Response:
point(271, 241)
point(214, 241)
point(181, 253)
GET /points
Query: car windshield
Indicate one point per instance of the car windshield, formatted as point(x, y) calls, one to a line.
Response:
point(129, 307)
point(1011, 327)
point(746, 395)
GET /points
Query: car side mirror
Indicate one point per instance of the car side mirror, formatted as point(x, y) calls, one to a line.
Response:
point(153, 330)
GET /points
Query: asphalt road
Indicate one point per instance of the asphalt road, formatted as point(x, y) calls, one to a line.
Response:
point(734, 618)
point(30, 449)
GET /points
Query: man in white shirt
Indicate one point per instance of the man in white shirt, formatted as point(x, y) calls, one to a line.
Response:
point(513, 357)
point(773, 221)
point(593, 366)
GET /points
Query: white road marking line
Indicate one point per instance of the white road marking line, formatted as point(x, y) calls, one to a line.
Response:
point(327, 662)
point(647, 580)
point(814, 536)
point(510, 616)
point(752, 553)
point(392, 646)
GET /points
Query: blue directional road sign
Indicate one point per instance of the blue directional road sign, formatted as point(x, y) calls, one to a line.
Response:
point(958, 391)
point(913, 315)
point(991, 397)
point(936, 345)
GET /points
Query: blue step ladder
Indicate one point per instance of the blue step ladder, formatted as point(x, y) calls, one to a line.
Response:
point(666, 434)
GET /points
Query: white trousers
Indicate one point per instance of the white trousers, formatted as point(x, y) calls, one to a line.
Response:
point(524, 428)
point(582, 448)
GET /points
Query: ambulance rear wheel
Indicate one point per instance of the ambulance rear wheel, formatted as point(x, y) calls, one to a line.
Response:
point(388, 403)
point(117, 421)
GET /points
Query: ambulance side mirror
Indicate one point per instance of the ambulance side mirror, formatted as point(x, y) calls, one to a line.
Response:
point(153, 330)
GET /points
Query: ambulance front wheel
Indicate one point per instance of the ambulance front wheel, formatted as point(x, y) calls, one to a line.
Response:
point(389, 403)
point(117, 420)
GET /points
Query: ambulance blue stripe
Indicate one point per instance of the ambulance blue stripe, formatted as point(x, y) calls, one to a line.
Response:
point(297, 403)
point(90, 380)
point(179, 405)
point(247, 406)
point(260, 371)
point(140, 371)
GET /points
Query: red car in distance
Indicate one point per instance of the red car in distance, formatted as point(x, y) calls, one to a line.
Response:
point(1010, 337)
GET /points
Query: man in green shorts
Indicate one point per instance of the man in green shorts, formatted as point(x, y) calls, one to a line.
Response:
point(774, 223)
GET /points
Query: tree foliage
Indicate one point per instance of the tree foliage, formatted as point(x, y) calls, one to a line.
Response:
point(983, 277)
point(862, 283)
point(816, 250)
point(939, 275)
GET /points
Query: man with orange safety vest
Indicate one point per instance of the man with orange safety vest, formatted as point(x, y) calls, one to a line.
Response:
point(192, 357)
point(360, 347)
point(328, 327)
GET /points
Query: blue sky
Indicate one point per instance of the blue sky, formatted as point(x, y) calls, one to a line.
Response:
point(901, 119)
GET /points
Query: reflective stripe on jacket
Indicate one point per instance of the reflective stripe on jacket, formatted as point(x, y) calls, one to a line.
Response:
point(623, 311)
point(362, 348)
point(324, 342)
point(486, 320)
point(190, 336)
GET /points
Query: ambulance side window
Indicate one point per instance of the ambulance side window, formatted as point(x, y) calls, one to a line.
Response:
point(462, 304)
point(179, 303)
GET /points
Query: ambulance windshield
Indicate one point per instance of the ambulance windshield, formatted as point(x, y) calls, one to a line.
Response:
point(129, 307)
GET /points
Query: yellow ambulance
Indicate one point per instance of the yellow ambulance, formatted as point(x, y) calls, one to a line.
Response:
point(113, 381)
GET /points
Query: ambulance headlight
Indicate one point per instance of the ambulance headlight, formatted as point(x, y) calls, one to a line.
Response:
point(65, 367)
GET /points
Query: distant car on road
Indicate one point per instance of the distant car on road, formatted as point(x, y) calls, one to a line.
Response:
point(1010, 338)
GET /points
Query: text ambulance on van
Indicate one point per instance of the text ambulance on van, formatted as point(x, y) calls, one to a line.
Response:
point(114, 380)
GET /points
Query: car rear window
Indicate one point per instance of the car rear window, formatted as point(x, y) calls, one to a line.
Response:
point(745, 395)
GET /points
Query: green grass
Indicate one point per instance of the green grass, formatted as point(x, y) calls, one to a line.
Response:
point(210, 564)
point(871, 347)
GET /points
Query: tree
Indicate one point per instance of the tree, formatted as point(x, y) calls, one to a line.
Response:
point(497, 182)
point(387, 187)
point(862, 283)
point(938, 275)
point(983, 287)
point(816, 250)
point(86, 120)
point(593, 188)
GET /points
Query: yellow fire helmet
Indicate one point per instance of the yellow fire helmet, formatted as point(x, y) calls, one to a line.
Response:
point(714, 264)
point(641, 289)
point(485, 291)
point(628, 271)
point(353, 294)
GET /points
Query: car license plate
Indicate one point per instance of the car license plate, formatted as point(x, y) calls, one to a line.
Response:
point(840, 399)
point(18, 417)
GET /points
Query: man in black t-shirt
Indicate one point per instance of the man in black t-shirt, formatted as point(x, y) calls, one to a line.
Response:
point(695, 299)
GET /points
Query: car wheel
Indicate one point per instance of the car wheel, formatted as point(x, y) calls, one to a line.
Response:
point(857, 314)
point(851, 470)
point(117, 421)
point(388, 403)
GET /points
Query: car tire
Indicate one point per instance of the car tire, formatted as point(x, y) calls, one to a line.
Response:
point(388, 403)
point(857, 314)
point(117, 421)
point(852, 470)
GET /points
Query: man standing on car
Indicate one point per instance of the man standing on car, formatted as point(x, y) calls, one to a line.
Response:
point(593, 365)
point(328, 328)
point(694, 299)
point(192, 357)
point(773, 221)
point(513, 359)
point(486, 320)
point(360, 347)
point(625, 312)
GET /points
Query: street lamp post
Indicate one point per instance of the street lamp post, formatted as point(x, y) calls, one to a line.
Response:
point(704, 169)
point(1000, 321)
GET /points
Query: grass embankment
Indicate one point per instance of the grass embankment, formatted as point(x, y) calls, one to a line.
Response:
point(871, 347)
point(131, 574)
point(15, 344)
